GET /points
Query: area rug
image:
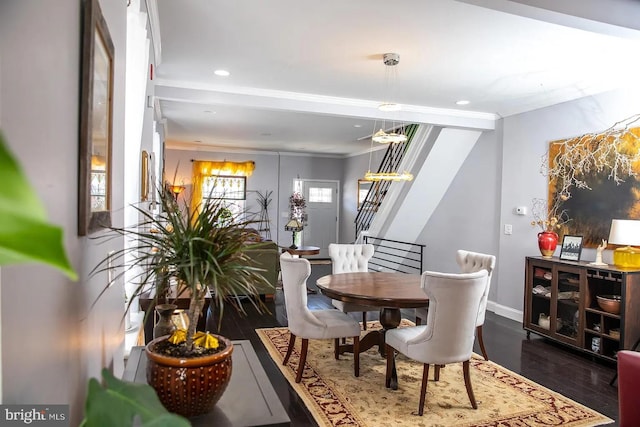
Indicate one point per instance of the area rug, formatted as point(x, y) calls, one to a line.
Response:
point(336, 398)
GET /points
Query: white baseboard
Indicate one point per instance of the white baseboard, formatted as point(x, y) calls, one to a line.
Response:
point(505, 311)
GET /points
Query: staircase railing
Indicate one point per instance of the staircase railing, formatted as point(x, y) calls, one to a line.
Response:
point(393, 255)
point(378, 190)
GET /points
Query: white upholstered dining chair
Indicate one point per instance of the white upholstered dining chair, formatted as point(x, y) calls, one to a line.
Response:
point(316, 324)
point(349, 258)
point(449, 333)
point(471, 262)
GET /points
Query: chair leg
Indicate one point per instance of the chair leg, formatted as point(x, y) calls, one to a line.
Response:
point(436, 375)
point(292, 341)
point(423, 388)
point(387, 378)
point(356, 356)
point(336, 348)
point(364, 320)
point(481, 342)
point(303, 358)
point(467, 384)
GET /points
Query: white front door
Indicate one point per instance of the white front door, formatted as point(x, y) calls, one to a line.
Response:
point(322, 214)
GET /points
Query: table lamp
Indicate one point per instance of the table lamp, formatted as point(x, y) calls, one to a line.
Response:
point(293, 225)
point(625, 232)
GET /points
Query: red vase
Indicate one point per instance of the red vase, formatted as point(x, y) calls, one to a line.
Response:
point(547, 242)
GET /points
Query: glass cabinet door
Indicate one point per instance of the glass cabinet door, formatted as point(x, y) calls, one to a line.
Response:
point(566, 298)
point(539, 289)
point(553, 300)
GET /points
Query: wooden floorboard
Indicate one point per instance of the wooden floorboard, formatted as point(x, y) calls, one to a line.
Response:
point(575, 375)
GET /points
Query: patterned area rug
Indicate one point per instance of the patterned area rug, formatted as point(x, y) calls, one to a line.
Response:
point(336, 398)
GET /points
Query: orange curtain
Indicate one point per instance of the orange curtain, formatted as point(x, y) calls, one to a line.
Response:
point(203, 169)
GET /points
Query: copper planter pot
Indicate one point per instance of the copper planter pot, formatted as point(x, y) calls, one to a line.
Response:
point(189, 386)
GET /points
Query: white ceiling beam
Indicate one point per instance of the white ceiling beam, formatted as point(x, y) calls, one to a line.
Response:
point(332, 106)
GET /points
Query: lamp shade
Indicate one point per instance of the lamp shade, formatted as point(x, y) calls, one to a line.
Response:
point(177, 189)
point(293, 225)
point(625, 232)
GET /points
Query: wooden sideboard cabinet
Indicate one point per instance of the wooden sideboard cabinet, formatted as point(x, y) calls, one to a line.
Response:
point(564, 293)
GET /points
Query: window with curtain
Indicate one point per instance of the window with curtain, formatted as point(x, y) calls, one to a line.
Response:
point(221, 180)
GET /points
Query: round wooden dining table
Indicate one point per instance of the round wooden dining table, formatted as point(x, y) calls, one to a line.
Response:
point(389, 291)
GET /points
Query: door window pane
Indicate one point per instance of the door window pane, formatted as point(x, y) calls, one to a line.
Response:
point(320, 195)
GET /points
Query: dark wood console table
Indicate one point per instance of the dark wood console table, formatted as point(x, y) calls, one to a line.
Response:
point(249, 400)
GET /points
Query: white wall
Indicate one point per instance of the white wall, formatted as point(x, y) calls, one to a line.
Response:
point(51, 342)
point(466, 217)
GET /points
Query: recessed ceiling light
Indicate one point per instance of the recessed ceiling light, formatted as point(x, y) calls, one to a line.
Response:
point(463, 102)
point(357, 126)
point(209, 112)
point(222, 73)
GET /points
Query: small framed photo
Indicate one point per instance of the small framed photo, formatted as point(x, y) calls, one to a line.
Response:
point(571, 248)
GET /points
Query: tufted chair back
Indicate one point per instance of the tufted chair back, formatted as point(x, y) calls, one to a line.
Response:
point(470, 262)
point(295, 272)
point(450, 330)
point(449, 333)
point(316, 324)
point(348, 258)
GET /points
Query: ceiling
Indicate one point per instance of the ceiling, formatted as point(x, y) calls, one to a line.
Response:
point(307, 76)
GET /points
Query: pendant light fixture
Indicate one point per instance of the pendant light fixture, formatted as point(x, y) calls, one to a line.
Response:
point(395, 133)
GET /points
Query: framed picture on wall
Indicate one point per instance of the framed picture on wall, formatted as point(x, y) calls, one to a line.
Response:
point(571, 248)
point(96, 121)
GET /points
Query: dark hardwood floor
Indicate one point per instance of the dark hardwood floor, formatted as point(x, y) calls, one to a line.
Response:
point(570, 373)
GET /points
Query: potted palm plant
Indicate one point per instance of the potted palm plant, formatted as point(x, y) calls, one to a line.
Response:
point(197, 251)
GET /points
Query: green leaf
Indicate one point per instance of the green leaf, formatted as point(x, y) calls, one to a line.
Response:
point(120, 402)
point(25, 234)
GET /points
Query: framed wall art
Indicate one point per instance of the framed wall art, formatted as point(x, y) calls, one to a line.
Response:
point(592, 209)
point(571, 248)
point(96, 121)
point(144, 176)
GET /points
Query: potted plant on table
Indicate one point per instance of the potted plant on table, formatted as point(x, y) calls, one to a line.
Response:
point(202, 250)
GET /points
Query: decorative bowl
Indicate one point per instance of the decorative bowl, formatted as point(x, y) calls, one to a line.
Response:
point(609, 303)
